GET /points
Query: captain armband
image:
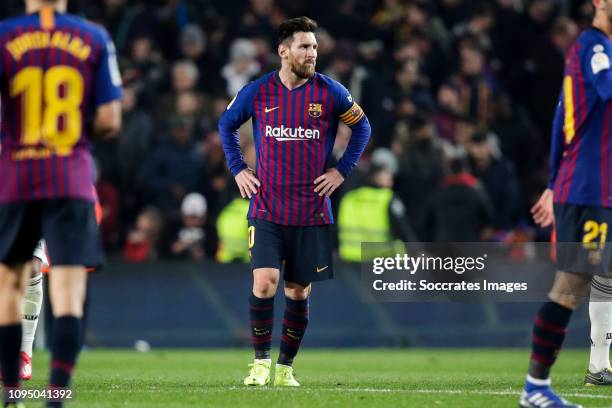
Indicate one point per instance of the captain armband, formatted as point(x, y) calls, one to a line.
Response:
point(353, 115)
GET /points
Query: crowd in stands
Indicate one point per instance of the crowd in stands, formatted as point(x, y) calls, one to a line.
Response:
point(458, 93)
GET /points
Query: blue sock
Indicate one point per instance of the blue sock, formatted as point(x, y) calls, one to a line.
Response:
point(10, 344)
point(261, 312)
point(65, 347)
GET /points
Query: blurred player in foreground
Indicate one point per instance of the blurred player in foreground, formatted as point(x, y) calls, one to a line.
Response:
point(580, 187)
point(33, 300)
point(60, 83)
point(295, 113)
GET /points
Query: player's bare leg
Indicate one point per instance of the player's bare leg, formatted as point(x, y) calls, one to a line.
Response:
point(12, 283)
point(67, 288)
point(295, 322)
point(32, 303)
point(568, 291)
point(261, 312)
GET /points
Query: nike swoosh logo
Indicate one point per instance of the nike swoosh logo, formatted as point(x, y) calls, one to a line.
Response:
point(268, 110)
point(322, 269)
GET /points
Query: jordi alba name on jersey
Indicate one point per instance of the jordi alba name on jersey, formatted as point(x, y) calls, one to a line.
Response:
point(55, 70)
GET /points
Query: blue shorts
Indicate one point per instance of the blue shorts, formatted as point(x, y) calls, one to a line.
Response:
point(306, 252)
point(68, 226)
point(583, 238)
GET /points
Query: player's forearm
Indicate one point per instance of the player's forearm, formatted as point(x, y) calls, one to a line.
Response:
point(555, 159)
point(230, 141)
point(360, 136)
point(556, 154)
point(107, 122)
point(556, 145)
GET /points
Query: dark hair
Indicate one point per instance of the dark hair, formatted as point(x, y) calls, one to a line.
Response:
point(457, 165)
point(294, 25)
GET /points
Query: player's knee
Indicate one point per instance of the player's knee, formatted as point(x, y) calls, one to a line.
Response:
point(265, 286)
point(570, 289)
point(296, 291)
point(568, 301)
point(10, 280)
point(65, 305)
point(67, 301)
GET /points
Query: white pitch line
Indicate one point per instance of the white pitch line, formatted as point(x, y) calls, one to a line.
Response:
point(307, 389)
point(426, 391)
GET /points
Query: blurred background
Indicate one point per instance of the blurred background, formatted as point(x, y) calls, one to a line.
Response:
point(460, 95)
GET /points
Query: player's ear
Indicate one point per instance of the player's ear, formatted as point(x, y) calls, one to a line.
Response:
point(283, 49)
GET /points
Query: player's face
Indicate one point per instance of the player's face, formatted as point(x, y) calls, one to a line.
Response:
point(604, 7)
point(302, 54)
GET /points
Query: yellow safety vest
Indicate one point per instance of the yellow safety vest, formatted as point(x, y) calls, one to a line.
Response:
point(232, 227)
point(364, 217)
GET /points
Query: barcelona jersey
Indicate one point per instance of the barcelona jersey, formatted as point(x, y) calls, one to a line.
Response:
point(581, 151)
point(55, 70)
point(294, 133)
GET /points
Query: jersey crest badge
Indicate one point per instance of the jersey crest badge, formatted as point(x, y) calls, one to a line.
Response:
point(315, 110)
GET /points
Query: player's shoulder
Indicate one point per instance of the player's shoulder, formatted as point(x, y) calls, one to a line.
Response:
point(257, 83)
point(97, 31)
point(593, 40)
point(328, 81)
point(253, 87)
point(16, 22)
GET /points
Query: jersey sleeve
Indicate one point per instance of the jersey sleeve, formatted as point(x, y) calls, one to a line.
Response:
point(239, 110)
point(596, 64)
point(108, 77)
point(349, 112)
point(556, 144)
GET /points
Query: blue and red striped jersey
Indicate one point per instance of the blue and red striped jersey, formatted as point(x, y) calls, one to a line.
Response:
point(294, 133)
point(581, 146)
point(55, 70)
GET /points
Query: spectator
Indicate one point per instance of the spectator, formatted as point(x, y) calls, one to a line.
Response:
point(242, 67)
point(476, 85)
point(411, 91)
point(498, 178)
point(145, 67)
point(345, 69)
point(189, 236)
point(141, 243)
point(185, 75)
point(136, 140)
point(232, 228)
point(459, 211)
point(448, 111)
point(193, 46)
point(421, 156)
point(372, 213)
point(175, 167)
point(259, 19)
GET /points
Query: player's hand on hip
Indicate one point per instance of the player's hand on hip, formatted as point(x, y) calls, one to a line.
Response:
point(247, 183)
point(327, 183)
point(542, 211)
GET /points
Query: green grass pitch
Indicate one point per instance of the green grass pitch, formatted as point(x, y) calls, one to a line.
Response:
point(330, 378)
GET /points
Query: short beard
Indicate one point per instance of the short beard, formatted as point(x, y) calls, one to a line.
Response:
point(303, 71)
